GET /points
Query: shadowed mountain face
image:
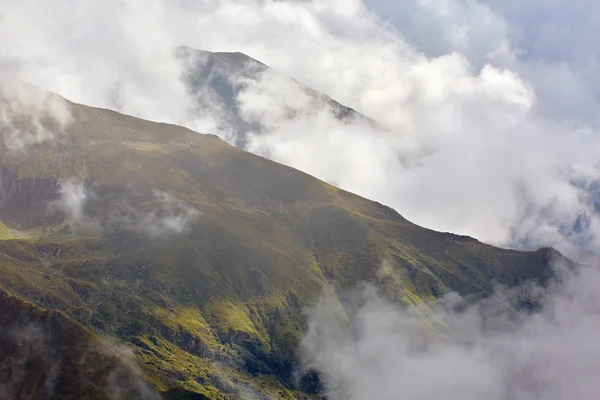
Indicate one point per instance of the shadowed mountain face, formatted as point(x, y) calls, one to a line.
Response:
point(201, 257)
point(217, 79)
point(45, 355)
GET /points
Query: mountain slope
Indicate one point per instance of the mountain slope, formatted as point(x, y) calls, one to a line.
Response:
point(202, 257)
point(46, 355)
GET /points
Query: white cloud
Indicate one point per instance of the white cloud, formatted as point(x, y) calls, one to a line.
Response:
point(114, 368)
point(484, 351)
point(28, 115)
point(73, 196)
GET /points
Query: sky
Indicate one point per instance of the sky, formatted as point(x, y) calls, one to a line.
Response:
point(489, 109)
point(488, 125)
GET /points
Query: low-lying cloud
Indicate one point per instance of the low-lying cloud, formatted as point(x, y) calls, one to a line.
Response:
point(72, 198)
point(164, 216)
point(488, 110)
point(487, 350)
point(171, 217)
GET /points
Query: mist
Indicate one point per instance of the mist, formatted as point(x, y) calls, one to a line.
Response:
point(485, 122)
point(33, 352)
point(459, 351)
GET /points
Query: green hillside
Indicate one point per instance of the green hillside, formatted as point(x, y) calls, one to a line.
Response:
point(202, 257)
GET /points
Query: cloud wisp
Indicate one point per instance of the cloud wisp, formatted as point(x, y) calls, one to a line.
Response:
point(171, 217)
point(164, 216)
point(488, 125)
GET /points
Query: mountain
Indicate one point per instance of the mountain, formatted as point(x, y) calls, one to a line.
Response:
point(124, 236)
point(216, 80)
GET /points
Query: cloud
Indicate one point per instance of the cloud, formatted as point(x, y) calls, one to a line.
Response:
point(126, 379)
point(171, 217)
point(488, 110)
point(102, 55)
point(488, 125)
point(36, 365)
point(72, 198)
point(28, 115)
point(485, 350)
point(479, 155)
point(86, 212)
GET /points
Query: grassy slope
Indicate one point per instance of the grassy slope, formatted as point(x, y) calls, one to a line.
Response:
point(216, 310)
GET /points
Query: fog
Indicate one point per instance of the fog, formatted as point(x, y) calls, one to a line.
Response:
point(460, 351)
